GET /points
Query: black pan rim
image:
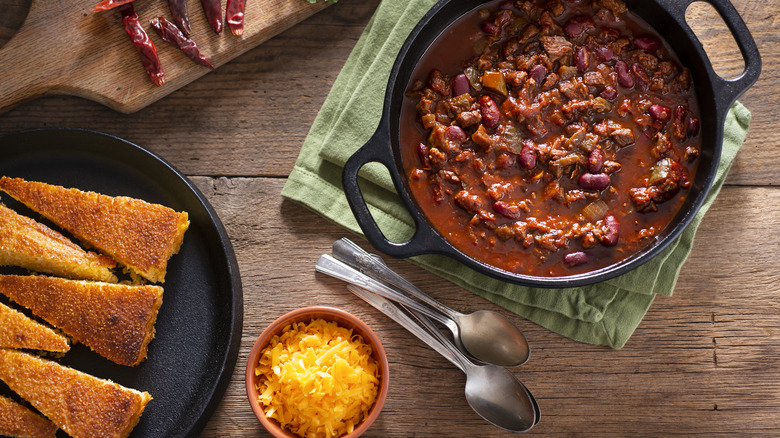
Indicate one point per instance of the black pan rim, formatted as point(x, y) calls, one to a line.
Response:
point(385, 141)
point(229, 356)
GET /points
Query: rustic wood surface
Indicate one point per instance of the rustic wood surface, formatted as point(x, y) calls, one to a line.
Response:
point(99, 65)
point(704, 361)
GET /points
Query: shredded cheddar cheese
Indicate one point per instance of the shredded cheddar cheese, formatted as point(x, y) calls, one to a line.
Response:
point(317, 379)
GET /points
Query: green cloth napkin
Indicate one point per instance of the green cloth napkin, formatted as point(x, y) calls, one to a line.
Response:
point(606, 313)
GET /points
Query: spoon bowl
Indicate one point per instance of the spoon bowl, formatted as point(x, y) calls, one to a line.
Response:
point(493, 392)
point(497, 396)
point(491, 338)
point(484, 335)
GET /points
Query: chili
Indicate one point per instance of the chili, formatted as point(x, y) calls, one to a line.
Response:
point(180, 15)
point(110, 4)
point(145, 46)
point(172, 34)
point(234, 16)
point(562, 143)
point(213, 11)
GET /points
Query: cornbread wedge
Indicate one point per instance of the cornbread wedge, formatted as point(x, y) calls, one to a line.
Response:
point(18, 421)
point(80, 404)
point(139, 235)
point(114, 320)
point(19, 331)
point(34, 246)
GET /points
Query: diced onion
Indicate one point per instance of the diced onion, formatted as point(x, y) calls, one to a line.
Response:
point(595, 211)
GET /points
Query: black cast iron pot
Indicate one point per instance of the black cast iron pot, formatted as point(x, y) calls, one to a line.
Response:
point(715, 96)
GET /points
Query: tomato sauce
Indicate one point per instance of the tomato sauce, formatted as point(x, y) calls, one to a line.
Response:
point(550, 138)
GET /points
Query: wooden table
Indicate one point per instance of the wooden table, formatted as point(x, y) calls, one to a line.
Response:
point(705, 361)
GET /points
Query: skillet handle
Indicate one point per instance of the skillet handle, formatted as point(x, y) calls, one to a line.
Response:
point(732, 89)
point(726, 90)
point(377, 150)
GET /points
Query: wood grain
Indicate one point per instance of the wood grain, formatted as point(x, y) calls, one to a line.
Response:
point(702, 362)
point(66, 48)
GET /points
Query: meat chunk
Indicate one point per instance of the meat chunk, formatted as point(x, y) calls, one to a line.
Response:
point(557, 47)
point(472, 203)
point(469, 118)
point(617, 7)
point(622, 136)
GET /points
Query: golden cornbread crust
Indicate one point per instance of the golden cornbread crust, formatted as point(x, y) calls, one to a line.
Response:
point(114, 320)
point(32, 245)
point(19, 331)
point(140, 235)
point(80, 404)
point(18, 421)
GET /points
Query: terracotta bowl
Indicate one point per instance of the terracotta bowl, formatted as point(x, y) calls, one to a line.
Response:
point(306, 314)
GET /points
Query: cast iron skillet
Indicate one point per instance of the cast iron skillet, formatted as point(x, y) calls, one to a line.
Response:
point(198, 329)
point(715, 96)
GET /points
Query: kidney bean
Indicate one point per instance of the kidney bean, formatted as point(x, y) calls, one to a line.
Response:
point(679, 126)
point(455, 133)
point(490, 28)
point(576, 258)
point(505, 5)
point(527, 156)
point(595, 161)
point(647, 43)
point(581, 58)
point(594, 181)
point(680, 112)
point(460, 85)
point(572, 28)
point(623, 75)
point(422, 152)
point(511, 211)
point(604, 53)
point(577, 25)
point(538, 72)
point(489, 110)
point(693, 127)
point(660, 113)
point(609, 92)
point(612, 230)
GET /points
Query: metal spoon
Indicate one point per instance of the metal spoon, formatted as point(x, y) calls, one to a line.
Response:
point(493, 392)
point(487, 336)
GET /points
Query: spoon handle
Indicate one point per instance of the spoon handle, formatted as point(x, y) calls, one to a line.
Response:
point(431, 328)
point(338, 269)
point(372, 264)
point(396, 314)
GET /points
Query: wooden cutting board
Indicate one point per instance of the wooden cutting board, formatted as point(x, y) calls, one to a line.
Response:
point(65, 48)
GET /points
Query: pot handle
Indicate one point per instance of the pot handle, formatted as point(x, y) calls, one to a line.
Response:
point(377, 150)
point(726, 90)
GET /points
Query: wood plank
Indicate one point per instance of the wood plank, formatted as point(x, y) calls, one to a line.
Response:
point(243, 120)
point(252, 114)
point(754, 162)
point(101, 64)
point(703, 361)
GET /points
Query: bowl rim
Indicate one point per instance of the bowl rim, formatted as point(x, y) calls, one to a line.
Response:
point(382, 145)
point(331, 314)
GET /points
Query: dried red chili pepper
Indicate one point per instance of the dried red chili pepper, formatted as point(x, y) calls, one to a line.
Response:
point(213, 11)
point(143, 44)
point(234, 16)
point(180, 15)
point(172, 34)
point(109, 4)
